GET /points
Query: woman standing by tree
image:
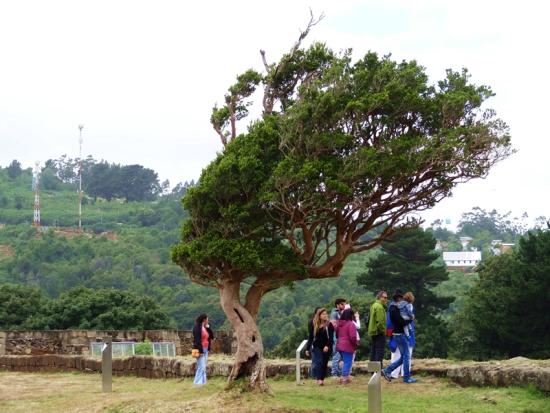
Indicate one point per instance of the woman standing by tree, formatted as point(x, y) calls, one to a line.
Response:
point(346, 343)
point(202, 336)
point(319, 344)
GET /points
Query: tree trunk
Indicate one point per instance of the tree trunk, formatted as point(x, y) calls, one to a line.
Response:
point(249, 360)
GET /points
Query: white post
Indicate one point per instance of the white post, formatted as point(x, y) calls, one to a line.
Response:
point(375, 387)
point(107, 365)
point(298, 365)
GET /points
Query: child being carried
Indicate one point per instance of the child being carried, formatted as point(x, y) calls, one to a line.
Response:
point(406, 310)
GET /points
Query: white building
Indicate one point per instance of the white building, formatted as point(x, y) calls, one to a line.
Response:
point(462, 259)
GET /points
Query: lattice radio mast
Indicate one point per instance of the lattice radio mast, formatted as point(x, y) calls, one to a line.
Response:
point(36, 190)
point(80, 193)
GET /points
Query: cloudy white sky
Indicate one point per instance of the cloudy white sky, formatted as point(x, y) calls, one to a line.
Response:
point(142, 76)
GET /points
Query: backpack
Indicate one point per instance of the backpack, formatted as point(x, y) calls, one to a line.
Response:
point(389, 324)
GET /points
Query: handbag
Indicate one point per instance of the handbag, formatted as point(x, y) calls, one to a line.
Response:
point(195, 353)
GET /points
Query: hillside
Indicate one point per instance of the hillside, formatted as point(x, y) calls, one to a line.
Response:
point(126, 245)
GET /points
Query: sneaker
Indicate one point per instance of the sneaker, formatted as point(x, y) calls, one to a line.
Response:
point(409, 380)
point(385, 375)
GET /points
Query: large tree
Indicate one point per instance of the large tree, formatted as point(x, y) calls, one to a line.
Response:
point(343, 152)
point(408, 261)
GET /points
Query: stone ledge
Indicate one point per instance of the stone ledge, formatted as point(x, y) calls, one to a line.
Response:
point(514, 372)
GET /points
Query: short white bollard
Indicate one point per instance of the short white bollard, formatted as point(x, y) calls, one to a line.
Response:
point(375, 387)
point(298, 364)
point(107, 365)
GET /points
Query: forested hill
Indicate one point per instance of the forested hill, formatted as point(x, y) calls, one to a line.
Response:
point(56, 277)
point(126, 245)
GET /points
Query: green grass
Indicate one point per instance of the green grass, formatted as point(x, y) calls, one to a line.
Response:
point(55, 392)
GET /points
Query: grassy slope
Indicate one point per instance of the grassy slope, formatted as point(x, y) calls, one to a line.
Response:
point(63, 392)
point(60, 206)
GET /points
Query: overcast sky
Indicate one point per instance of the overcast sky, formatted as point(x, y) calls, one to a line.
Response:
point(142, 76)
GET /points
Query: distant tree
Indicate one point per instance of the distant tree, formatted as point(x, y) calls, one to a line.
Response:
point(407, 262)
point(138, 183)
point(180, 189)
point(14, 169)
point(440, 233)
point(49, 180)
point(165, 187)
point(343, 153)
point(494, 225)
point(19, 305)
point(506, 313)
point(104, 309)
point(100, 180)
point(132, 182)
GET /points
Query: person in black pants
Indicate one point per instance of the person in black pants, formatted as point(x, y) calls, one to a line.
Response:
point(319, 344)
point(377, 326)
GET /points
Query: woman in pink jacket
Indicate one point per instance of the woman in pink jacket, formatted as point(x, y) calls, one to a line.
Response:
point(346, 343)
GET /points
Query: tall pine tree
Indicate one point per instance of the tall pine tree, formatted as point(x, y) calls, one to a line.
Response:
point(407, 262)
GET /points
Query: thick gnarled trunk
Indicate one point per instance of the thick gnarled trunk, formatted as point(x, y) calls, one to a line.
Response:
point(249, 360)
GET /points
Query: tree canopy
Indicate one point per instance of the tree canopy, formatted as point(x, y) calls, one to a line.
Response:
point(14, 169)
point(104, 179)
point(506, 312)
point(24, 307)
point(343, 153)
point(19, 305)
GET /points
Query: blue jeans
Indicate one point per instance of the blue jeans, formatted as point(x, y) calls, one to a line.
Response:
point(336, 358)
point(200, 375)
point(348, 361)
point(403, 346)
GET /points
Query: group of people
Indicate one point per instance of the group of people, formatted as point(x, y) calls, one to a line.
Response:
point(398, 324)
point(337, 337)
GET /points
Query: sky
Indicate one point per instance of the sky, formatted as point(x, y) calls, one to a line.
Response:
point(143, 76)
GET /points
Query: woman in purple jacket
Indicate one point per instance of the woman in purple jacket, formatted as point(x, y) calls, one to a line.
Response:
point(346, 343)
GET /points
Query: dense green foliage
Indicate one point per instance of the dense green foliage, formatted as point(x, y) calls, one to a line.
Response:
point(103, 309)
point(409, 262)
point(19, 306)
point(23, 307)
point(506, 312)
point(102, 179)
point(347, 144)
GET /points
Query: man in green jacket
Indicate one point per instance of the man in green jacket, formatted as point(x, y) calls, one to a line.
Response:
point(377, 326)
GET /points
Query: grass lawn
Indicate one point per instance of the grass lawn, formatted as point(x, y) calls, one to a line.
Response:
point(66, 392)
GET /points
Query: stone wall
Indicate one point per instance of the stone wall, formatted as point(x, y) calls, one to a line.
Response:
point(140, 366)
point(514, 372)
point(77, 342)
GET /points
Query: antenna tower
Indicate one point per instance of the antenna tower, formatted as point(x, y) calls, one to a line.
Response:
point(80, 193)
point(36, 189)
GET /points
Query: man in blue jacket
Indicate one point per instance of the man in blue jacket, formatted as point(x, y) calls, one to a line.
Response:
point(400, 339)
